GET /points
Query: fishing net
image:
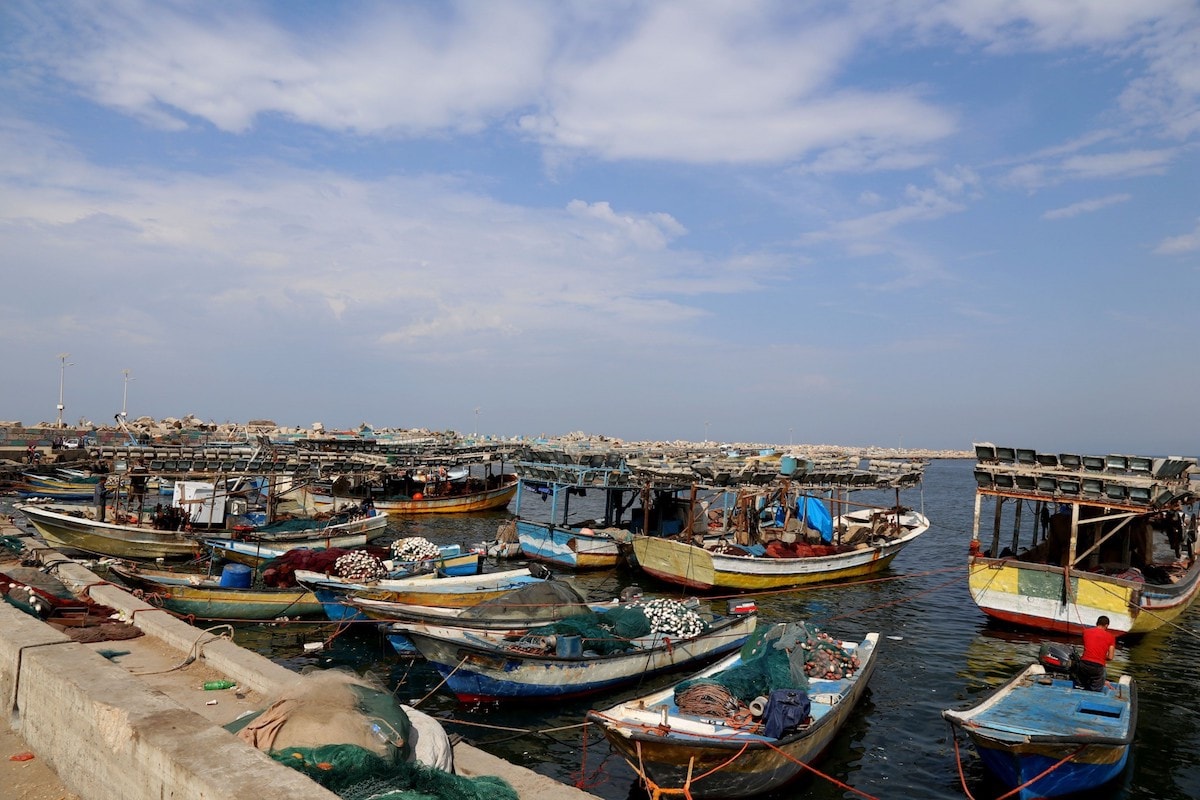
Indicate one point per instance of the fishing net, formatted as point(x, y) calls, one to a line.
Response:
point(354, 773)
point(781, 656)
point(613, 630)
point(12, 543)
point(531, 601)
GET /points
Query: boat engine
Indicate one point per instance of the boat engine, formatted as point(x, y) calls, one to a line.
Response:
point(1058, 659)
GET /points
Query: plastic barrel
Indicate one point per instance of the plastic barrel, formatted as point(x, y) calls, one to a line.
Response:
point(570, 646)
point(236, 576)
point(788, 465)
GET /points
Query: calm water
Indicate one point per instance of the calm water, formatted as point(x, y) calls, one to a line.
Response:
point(938, 652)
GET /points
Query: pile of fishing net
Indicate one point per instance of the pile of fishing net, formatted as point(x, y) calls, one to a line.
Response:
point(670, 618)
point(359, 566)
point(414, 548)
point(613, 630)
point(355, 740)
point(782, 656)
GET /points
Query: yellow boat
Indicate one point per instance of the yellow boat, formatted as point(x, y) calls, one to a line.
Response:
point(1102, 535)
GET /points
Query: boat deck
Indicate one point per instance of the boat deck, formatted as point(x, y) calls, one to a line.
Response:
point(1042, 707)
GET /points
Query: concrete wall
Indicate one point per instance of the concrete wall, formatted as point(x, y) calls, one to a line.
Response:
point(107, 735)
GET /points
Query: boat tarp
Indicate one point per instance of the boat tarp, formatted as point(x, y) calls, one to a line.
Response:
point(815, 516)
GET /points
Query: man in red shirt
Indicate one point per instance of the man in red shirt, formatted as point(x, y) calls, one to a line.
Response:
point(1099, 646)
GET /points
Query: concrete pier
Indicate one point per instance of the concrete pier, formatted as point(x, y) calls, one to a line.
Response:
point(130, 718)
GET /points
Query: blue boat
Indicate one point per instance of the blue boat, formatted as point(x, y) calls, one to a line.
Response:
point(550, 663)
point(1045, 736)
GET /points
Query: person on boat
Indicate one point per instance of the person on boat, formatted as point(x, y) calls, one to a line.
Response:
point(1099, 647)
point(100, 495)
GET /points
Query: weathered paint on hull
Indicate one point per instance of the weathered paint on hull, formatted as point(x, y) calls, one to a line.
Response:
point(1033, 596)
point(567, 547)
point(104, 539)
point(1090, 768)
point(477, 674)
point(696, 568)
point(755, 770)
point(488, 500)
point(234, 604)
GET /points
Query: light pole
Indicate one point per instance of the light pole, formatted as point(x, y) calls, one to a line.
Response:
point(790, 436)
point(125, 394)
point(62, 376)
point(706, 431)
point(476, 421)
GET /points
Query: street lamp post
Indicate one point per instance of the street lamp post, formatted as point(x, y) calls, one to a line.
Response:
point(706, 431)
point(62, 375)
point(476, 421)
point(125, 394)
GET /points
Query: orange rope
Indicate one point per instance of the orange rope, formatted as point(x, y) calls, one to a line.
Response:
point(963, 778)
point(820, 774)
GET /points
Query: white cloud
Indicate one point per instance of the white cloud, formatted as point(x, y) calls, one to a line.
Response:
point(1086, 206)
point(1178, 245)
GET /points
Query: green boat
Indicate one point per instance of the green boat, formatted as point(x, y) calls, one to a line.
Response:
point(205, 597)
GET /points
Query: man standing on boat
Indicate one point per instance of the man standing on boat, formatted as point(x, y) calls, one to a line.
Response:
point(1099, 647)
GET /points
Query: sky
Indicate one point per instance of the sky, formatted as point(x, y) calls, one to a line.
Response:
point(919, 224)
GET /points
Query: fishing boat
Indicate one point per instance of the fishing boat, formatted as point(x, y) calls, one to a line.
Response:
point(57, 488)
point(1100, 536)
point(76, 528)
point(559, 473)
point(203, 596)
point(725, 732)
point(869, 541)
point(512, 613)
point(446, 494)
point(428, 589)
point(452, 559)
point(574, 657)
point(1043, 736)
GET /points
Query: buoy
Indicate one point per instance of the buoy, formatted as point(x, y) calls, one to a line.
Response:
point(418, 496)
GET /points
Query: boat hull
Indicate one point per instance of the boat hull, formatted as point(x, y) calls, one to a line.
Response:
point(478, 672)
point(713, 761)
point(694, 567)
point(209, 600)
point(1093, 767)
point(1041, 723)
point(1034, 596)
point(567, 547)
point(71, 532)
point(486, 500)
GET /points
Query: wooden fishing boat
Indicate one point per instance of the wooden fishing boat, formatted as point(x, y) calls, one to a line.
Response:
point(1041, 733)
point(1109, 535)
point(64, 488)
point(75, 527)
point(558, 474)
point(452, 561)
point(871, 539)
point(709, 742)
point(428, 589)
point(205, 597)
point(514, 612)
point(430, 497)
point(484, 666)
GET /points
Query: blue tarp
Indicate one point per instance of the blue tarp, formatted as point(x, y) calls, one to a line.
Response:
point(816, 516)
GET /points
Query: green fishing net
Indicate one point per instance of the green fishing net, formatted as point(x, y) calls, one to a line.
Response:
point(354, 773)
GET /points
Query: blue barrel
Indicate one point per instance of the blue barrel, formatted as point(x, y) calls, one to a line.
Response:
point(236, 576)
point(569, 646)
point(788, 465)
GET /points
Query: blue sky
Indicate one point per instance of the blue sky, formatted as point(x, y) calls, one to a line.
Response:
point(866, 223)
